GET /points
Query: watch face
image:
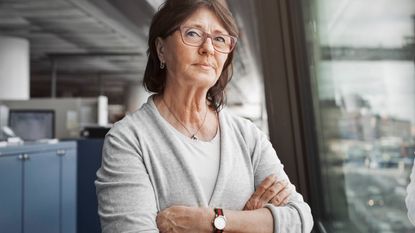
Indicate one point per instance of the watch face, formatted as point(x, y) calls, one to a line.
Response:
point(220, 222)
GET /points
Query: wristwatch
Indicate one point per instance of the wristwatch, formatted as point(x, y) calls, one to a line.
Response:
point(219, 223)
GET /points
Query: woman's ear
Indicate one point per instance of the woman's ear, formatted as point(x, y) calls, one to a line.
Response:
point(160, 49)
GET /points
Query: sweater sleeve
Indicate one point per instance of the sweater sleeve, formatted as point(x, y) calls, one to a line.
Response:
point(126, 199)
point(410, 198)
point(295, 217)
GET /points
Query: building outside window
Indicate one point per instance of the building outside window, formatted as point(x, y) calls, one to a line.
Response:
point(361, 56)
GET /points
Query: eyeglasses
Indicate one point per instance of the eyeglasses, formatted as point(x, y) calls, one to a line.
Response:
point(196, 37)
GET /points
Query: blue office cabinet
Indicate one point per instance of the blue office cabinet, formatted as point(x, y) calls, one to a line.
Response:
point(11, 172)
point(41, 192)
point(38, 188)
point(69, 190)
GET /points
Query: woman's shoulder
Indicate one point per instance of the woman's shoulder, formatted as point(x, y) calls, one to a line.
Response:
point(128, 133)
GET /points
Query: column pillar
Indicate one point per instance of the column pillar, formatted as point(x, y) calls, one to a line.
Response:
point(14, 68)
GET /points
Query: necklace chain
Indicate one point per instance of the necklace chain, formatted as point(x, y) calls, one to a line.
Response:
point(193, 135)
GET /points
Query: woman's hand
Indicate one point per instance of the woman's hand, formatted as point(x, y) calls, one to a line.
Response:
point(270, 191)
point(183, 219)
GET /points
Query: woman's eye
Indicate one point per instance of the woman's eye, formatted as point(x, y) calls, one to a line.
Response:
point(220, 39)
point(193, 34)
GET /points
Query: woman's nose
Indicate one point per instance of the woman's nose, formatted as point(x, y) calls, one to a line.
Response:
point(207, 46)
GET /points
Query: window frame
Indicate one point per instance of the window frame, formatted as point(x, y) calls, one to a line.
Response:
point(288, 95)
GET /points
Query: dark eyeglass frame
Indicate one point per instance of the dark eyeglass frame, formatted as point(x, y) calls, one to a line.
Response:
point(205, 35)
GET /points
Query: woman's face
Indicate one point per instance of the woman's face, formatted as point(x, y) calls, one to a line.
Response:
point(188, 65)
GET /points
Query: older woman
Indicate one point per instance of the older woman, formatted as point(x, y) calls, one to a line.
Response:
point(182, 163)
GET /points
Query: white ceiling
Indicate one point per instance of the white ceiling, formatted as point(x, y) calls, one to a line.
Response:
point(101, 41)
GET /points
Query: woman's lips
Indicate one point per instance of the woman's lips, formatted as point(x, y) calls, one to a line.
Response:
point(204, 66)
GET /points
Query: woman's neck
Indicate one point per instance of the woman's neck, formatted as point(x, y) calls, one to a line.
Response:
point(187, 110)
point(188, 105)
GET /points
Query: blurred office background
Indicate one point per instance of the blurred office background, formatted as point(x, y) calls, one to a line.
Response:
point(331, 82)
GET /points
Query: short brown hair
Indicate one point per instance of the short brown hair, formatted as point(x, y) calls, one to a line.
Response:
point(166, 20)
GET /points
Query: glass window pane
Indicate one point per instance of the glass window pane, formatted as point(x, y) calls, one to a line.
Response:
point(362, 65)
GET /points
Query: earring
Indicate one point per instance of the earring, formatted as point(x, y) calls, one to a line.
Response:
point(162, 65)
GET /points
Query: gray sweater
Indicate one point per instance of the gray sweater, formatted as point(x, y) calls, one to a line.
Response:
point(143, 171)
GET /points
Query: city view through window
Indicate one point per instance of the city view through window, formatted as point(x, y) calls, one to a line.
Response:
point(363, 70)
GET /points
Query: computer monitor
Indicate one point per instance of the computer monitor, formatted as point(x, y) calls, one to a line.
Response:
point(32, 125)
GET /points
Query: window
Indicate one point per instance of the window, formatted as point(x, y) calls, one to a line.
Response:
point(361, 57)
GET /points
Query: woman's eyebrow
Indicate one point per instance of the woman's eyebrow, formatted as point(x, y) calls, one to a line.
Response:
point(201, 27)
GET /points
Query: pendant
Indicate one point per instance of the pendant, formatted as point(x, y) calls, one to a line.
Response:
point(193, 137)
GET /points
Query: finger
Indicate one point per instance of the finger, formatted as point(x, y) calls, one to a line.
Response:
point(265, 184)
point(163, 221)
point(246, 207)
point(279, 199)
point(280, 186)
point(282, 197)
point(272, 192)
point(249, 205)
point(261, 189)
point(267, 196)
point(285, 201)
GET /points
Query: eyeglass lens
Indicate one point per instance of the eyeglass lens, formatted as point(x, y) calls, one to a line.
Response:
point(196, 37)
